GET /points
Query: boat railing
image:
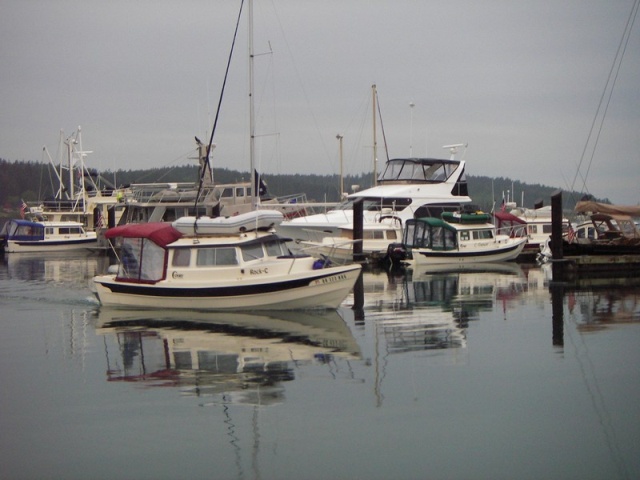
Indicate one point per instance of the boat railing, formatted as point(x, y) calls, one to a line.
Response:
point(337, 252)
point(171, 192)
point(295, 198)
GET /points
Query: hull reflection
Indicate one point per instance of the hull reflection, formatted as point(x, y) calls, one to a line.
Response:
point(234, 358)
point(430, 308)
point(68, 268)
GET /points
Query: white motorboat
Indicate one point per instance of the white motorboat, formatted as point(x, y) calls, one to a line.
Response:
point(376, 237)
point(454, 239)
point(408, 188)
point(27, 236)
point(162, 267)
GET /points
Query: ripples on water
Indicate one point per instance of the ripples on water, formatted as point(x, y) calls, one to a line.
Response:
point(425, 374)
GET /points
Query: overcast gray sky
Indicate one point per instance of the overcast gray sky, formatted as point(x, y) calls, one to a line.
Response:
point(519, 81)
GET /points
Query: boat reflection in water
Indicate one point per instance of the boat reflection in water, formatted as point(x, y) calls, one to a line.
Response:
point(66, 267)
point(598, 303)
point(430, 308)
point(239, 358)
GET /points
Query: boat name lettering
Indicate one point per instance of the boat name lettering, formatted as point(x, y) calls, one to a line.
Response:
point(258, 271)
point(177, 275)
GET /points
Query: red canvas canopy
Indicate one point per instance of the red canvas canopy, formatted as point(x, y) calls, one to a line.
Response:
point(159, 233)
point(508, 217)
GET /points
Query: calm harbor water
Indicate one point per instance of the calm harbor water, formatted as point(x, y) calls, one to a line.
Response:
point(484, 374)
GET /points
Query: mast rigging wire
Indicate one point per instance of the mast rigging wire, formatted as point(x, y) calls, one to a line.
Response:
point(215, 121)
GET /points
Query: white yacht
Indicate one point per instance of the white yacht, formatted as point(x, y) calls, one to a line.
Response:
point(408, 188)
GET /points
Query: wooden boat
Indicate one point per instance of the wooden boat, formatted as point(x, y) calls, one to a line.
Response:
point(454, 238)
point(162, 267)
point(42, 237)
point(608, 230)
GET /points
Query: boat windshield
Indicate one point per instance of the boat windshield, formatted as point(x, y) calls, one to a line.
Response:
point(418, 170)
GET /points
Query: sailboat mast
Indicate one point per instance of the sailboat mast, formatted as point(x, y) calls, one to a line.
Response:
point(375, 138)
point(252, 132)
point(69, 143)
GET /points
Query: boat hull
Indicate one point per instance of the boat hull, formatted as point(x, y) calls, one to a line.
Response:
point(43, 246)
point(496, 253)
point(324, 289)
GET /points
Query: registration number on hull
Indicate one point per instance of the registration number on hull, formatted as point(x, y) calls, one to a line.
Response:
point(326, 280)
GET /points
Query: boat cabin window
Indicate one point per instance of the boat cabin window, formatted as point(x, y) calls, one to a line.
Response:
point(436, 210)
point(217, 256)
point(418, 170)
point(69, 230)
point(533, 229)
point(276, 248)
point(227, 193)
point(482, 234)
point(546, 228)
point(141, 260)
point(377, 204)
point(464, 235)
point(181, 257)
point(587, 232)
point(434, 235)
point(251, 252)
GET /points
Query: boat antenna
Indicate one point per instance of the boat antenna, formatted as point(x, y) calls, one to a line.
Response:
point(215, 121)
point(384, 135)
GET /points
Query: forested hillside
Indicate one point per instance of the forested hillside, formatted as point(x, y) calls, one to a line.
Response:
point(33, 181)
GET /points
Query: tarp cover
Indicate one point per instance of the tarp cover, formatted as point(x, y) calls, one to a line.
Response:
point(508, 217)
point(159, 233)
point(595, 207)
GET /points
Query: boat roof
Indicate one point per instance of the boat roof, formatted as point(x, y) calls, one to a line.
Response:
point(39, 224)
point(160, 233)
point(424, 160)
point(26, 223)
point(433, 222)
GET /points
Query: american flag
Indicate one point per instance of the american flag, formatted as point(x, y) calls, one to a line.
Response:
point(23, 208)
point(571, 234)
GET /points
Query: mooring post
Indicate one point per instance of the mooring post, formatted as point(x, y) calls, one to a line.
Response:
point(358, 230)
point(358, 300)
point(557, 254)
point(557, 320)
point(556, 225)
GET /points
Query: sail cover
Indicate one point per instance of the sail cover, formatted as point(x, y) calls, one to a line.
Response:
point(596, 207)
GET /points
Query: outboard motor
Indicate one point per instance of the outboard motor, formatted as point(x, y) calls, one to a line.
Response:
point(397, 253)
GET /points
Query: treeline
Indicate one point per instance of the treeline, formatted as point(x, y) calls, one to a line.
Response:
point(33, 181)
